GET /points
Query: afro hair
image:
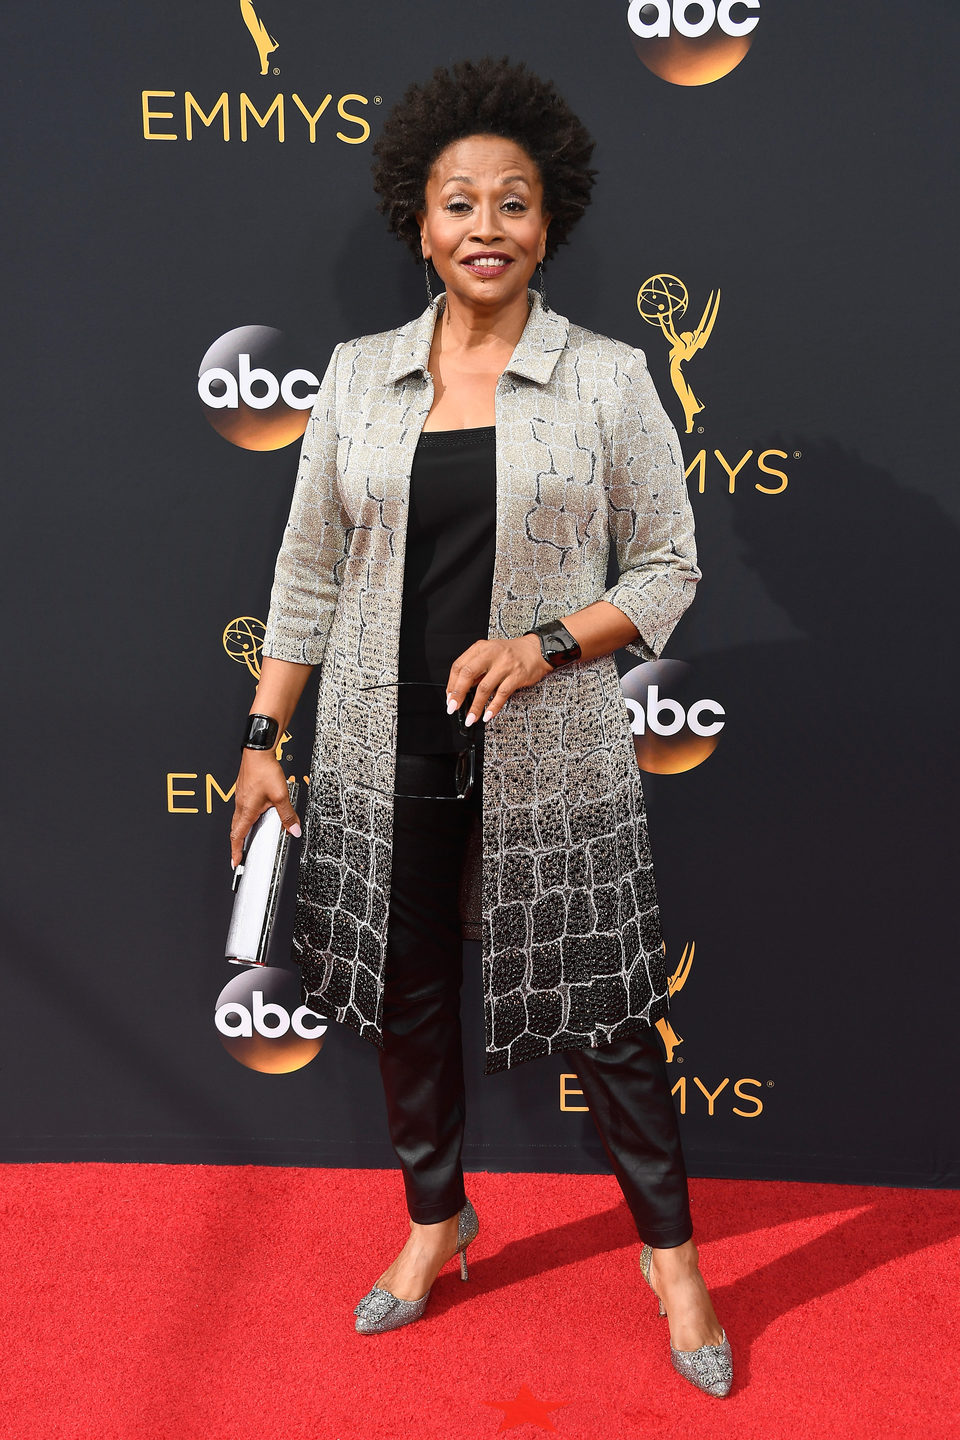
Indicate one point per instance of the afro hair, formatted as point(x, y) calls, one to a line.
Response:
point(484, 97)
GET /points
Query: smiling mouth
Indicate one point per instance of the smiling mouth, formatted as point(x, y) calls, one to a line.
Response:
point(487, 264)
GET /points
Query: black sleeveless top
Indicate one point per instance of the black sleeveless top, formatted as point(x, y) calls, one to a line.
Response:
point(447, 578)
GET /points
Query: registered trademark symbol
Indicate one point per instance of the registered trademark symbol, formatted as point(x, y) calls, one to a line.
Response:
point(797, 454)
point(378, 99)
point(699, 429)
point(276, 69)
point(679, 1059)
point(770, 1083)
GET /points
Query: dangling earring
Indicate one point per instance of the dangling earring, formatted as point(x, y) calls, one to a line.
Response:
point(543, 293)
point(426, 272)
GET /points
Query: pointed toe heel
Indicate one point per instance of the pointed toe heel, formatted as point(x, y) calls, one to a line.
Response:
point(709, 1368)
point(380, 1311)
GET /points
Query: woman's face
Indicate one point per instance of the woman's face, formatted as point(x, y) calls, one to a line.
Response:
point(484, 226)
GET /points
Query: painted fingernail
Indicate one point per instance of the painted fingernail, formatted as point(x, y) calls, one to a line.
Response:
point(487, 715)
point(233, 864)
point(470, 720)
point(452, 706)
point(295, 831)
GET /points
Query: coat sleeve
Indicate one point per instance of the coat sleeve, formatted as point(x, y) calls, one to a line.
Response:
point(650, 518)
point(306, 580)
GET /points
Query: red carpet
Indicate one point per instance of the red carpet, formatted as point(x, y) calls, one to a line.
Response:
point(160, 1302)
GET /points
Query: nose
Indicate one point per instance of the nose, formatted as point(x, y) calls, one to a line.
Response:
point(487, 223)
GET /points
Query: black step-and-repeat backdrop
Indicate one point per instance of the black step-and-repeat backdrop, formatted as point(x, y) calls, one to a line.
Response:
point(191, 229)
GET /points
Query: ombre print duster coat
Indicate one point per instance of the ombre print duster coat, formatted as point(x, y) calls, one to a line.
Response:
point(587, 462)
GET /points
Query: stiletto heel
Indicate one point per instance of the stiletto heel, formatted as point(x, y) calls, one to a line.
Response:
point(379, 1310)
point(710, 1367)
point(646, 1255)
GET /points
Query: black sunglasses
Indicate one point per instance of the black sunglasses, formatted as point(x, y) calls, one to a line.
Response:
point(465, 771)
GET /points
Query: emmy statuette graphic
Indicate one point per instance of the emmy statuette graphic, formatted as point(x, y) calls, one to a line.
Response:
point(662, 300)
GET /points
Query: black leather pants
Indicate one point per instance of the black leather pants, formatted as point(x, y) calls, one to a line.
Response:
point(625, 1084)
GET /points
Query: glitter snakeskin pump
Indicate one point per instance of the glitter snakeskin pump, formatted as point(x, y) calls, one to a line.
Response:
point(710, 1367)
point(379, 1310)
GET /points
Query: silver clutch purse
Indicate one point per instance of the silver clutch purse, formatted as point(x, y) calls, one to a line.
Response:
point(256, 883)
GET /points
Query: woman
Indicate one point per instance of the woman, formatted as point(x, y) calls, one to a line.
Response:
point(461, 483)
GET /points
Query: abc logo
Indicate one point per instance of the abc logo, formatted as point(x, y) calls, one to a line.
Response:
point(673, 729)
point(252, 392)
point(692, 42)
point(262, 1023)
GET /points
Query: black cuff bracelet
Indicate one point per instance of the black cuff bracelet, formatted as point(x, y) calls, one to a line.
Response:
point(557, 645)
point(261, 733)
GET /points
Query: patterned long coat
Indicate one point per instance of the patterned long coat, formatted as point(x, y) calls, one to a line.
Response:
point(586, 460)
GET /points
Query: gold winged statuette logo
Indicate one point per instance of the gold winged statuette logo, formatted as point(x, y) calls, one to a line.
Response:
point(662, 300)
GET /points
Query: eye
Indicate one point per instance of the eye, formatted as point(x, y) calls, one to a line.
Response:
point(457, 205)
point(514, 205)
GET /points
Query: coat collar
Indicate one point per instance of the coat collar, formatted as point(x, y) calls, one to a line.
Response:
point(538, 349)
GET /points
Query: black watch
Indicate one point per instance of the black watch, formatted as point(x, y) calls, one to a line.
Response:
point(557, 645)
point(261, 733)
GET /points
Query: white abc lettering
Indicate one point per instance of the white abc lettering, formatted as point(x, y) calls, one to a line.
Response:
point(249, 378)
point(697, 725)
point(224, 1015)
point(271, 1021)
point(693, 28)
point(658, 25)
point(261, 1013)
point(728, 25)
point(229, 400)
point(656, 707)
point(294, 377)
point(233, 393)
point(316, 1026)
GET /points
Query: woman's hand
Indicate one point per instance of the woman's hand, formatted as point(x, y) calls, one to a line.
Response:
point(496, 668)
point(261, 781)
point(260, 784)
